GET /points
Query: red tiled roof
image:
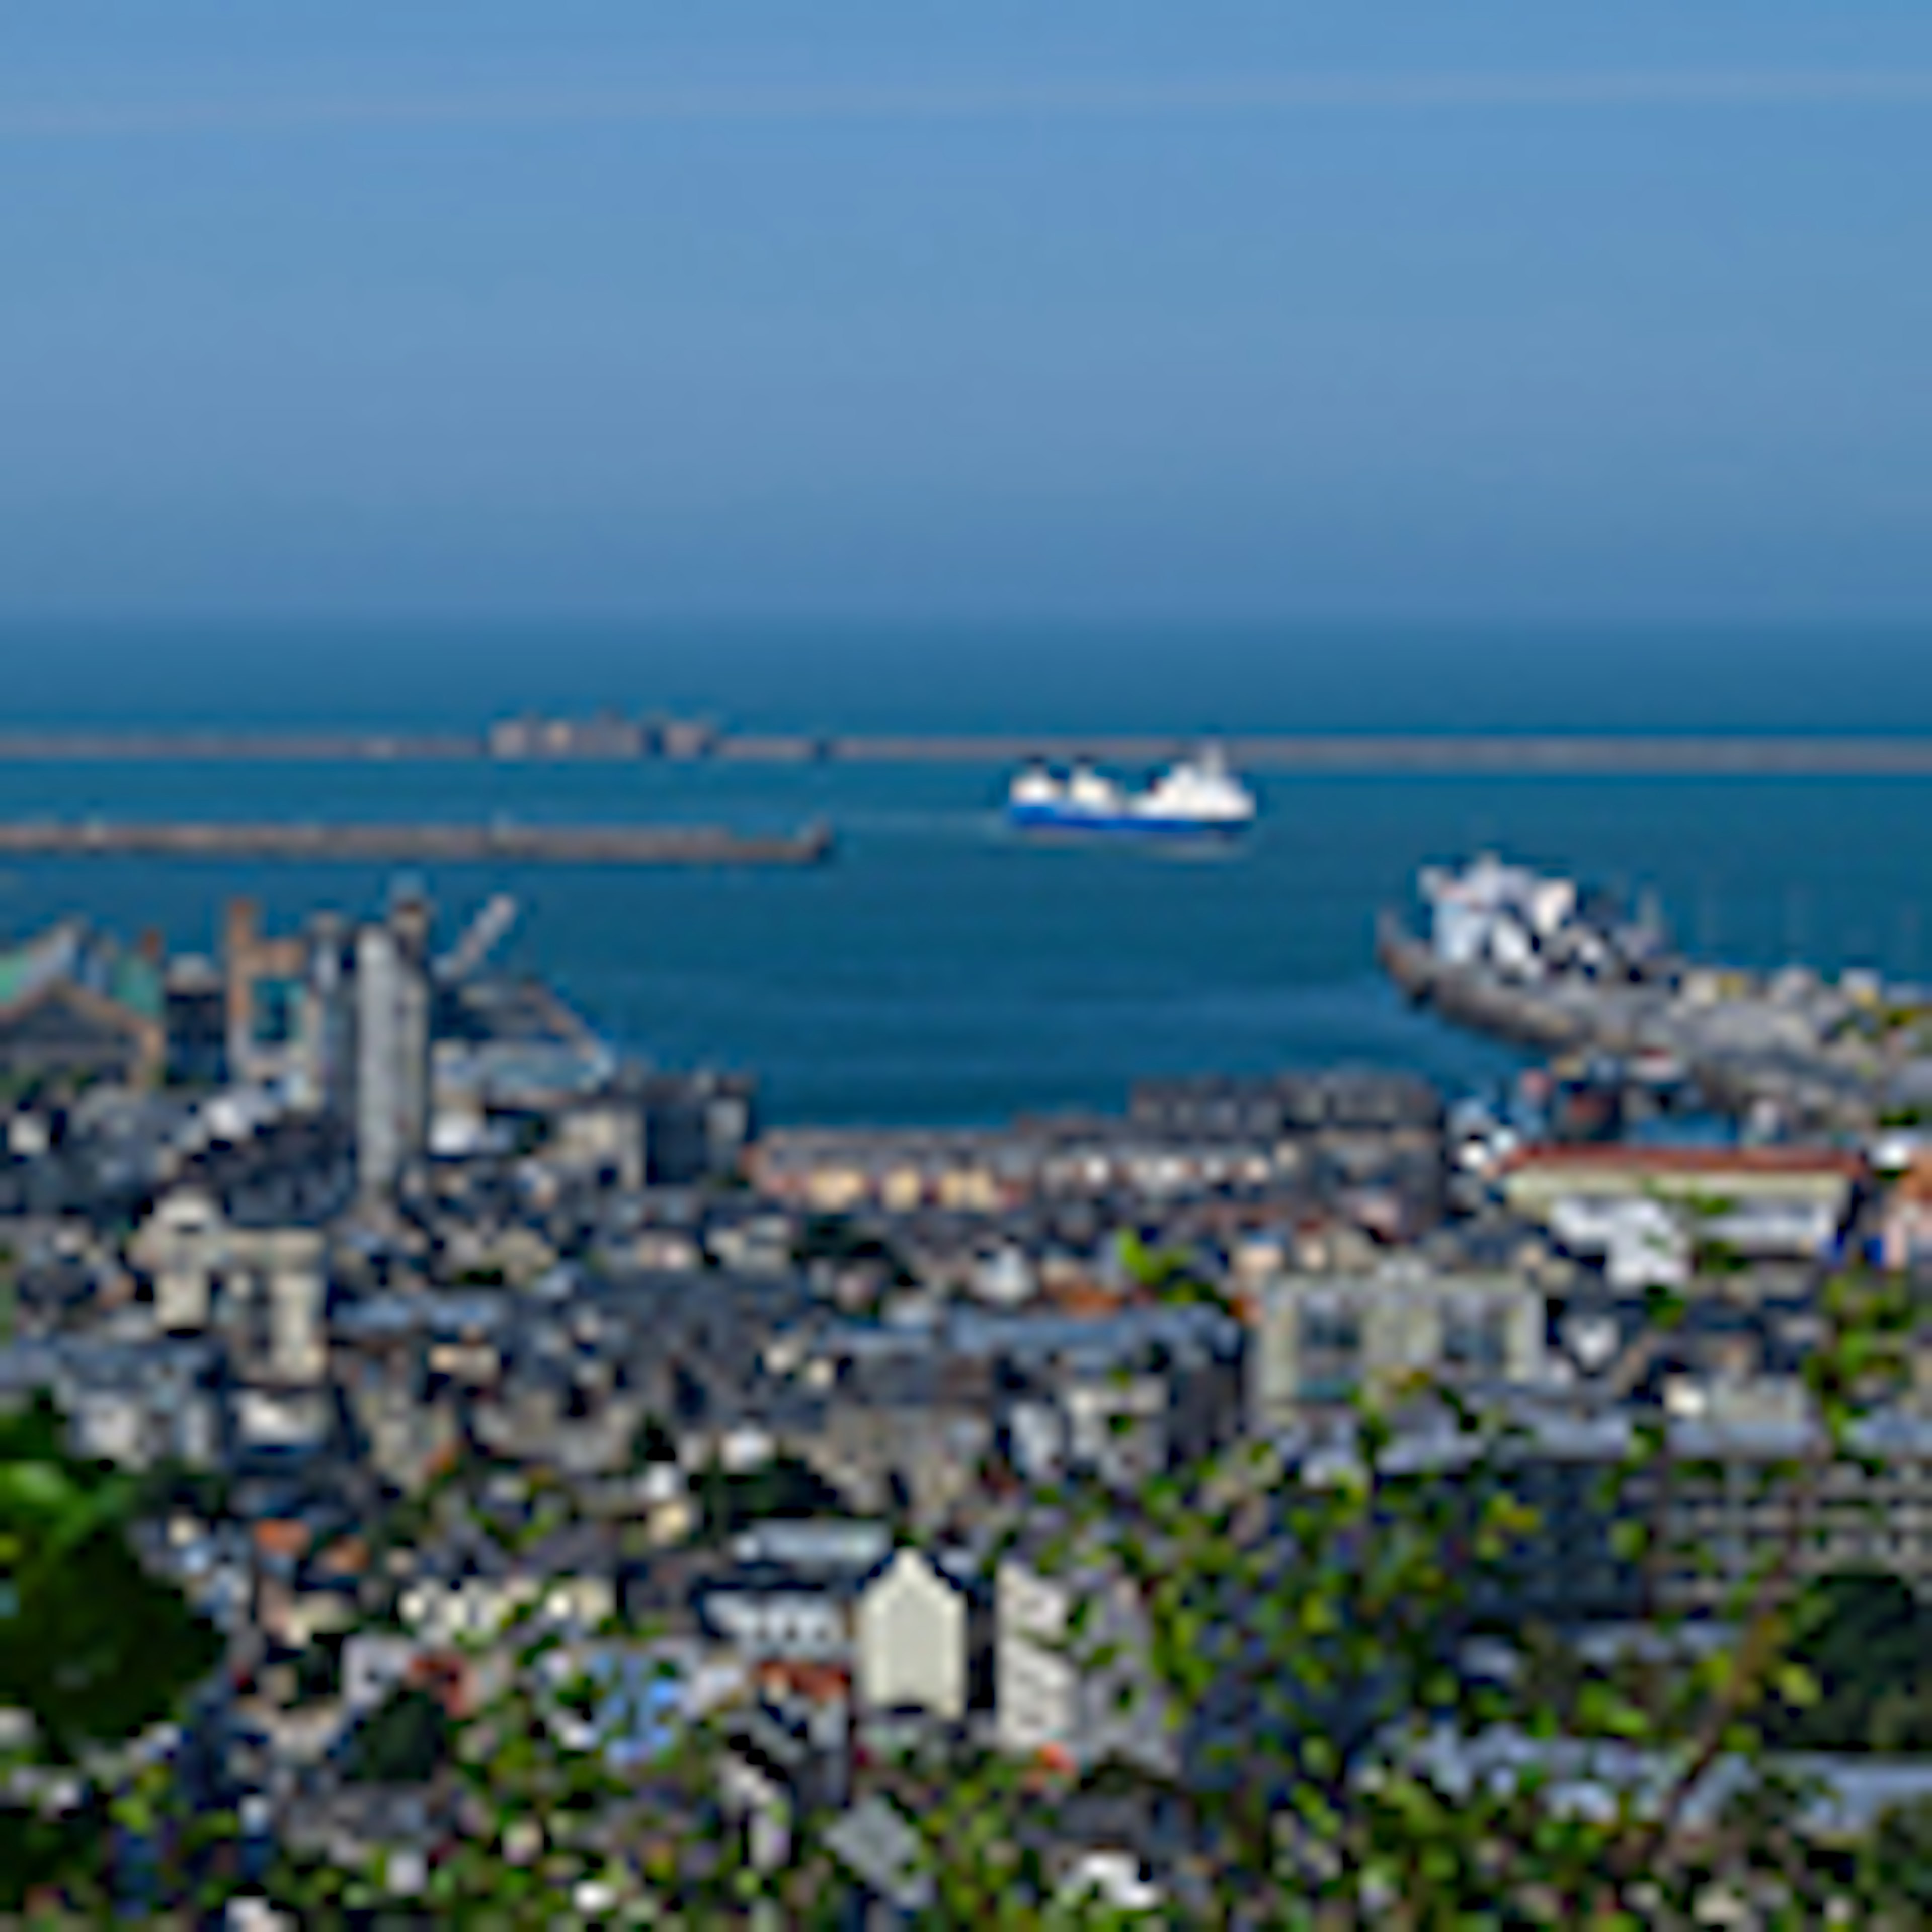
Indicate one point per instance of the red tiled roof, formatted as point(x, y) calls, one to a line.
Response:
point(444, 1675)
point(1085, 1297)
point(278, 1538)
point(819, 1683)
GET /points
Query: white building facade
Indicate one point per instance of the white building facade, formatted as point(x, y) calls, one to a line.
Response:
point(912, 1638)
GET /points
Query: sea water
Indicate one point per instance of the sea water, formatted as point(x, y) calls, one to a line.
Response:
point(941, 968)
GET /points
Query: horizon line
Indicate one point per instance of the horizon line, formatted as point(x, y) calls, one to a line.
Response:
point(215, 624)
point(1064, 100)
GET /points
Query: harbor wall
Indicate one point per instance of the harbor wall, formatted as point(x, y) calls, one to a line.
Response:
point(1805, 1083)
point(1339, 753)
point(414, 844)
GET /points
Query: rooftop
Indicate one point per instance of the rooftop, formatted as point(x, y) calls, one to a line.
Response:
point(1650, 1159)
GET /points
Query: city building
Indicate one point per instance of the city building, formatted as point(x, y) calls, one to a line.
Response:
point(392, 1051)
point(1323, 1339)
point(195, 1019)
point(1075, 1688)
point(75, 1009)
point(912, 1640)
point(1906, 1236)
point(281, 1032)
point(262, 1287)
point(1757, 1202)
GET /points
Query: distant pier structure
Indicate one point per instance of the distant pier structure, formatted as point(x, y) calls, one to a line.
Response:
point(417, 844)
point(609, 737)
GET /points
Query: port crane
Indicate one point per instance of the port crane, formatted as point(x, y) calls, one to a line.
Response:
point(483, 934)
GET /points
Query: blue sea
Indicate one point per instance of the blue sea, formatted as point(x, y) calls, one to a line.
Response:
point(940, 969)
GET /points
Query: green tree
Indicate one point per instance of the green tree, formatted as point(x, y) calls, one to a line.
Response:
point(1863, 1635)
point(652, 1442)
point(731, 1500)
point(93, 1650)
point(1302, 1624)
point(405, 1740)
point(1308, 1623)
point(1167, 1274)
point(1900, 1859)
point(93, 1647)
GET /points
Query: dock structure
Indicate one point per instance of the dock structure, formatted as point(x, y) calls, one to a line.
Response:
point(605, 741)
point(415, 844)
point(261, 747)
point(1740, 1052)
point(1444, 755)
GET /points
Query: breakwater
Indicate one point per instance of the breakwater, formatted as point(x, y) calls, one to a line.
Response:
point(416, 844)
point(237, 747)
point(1317, 753)
point(1742, 1049)
point(1343, 753)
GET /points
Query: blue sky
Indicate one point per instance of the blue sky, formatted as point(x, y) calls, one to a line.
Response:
point(1244, 310)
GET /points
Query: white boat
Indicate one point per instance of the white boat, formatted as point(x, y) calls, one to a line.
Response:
point(1197, 797)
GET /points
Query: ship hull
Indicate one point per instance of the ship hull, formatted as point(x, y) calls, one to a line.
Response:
point(1055, 818)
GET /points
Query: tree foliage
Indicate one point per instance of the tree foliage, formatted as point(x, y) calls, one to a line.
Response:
point(1341, 1758)
point(405, 1740)
point(733, 1500)
point(1864, 1637)
point(92, 1647)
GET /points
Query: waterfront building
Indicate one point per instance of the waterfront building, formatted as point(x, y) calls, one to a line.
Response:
point(835, 1170)
point(695, 1126)
point(392, 1051)
point(1764, 1202)
point(508, 1045)
point(195, 1017)
point(270, 1037)
point(1272, 1107)
point(75, 1009)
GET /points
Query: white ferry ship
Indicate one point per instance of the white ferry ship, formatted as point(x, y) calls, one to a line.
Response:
point(1197, 797)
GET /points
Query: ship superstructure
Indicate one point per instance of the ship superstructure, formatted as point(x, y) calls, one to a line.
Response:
point(1198, 796)
point(1524, 927)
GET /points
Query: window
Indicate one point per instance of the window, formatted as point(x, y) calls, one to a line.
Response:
point(1330, 1329)
point(1330, 1349)
point(1475, 1337)
point(275, 1012)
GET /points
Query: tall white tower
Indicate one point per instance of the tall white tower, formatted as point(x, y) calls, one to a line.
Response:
point(391, 1059)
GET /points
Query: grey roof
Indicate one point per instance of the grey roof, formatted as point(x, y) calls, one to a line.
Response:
point(393, 1313)
point(1183, 1330)
point(1847, 1795)
point(875, 1843)
point(137, 1367)
point(1606, 1436)
point(1188, 1333)
point(816, 1545)
point(764, 1578)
